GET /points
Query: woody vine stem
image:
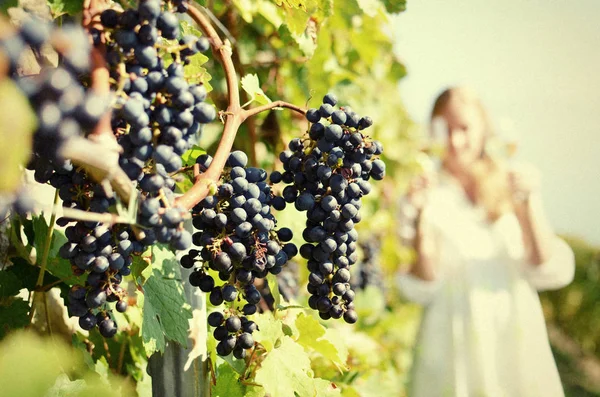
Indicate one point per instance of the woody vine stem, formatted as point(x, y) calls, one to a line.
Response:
point(102, 141)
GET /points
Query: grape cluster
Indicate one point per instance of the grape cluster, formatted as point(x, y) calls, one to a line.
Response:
point(328, 173)
point(233, 332)
point(64, 109)
point(158, 115)
point(101, 252)
point(237, 239)
point(369, 271)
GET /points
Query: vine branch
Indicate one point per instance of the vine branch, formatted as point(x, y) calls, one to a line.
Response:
point(271, 105)
point(235, 115)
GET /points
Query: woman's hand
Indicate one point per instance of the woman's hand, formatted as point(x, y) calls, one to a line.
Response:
point(412, 204)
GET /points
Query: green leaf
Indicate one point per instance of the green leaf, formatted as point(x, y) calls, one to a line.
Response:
point(183, 185)
point(26, 350)
point(40, 231)
point(17, 123)
point(166, 312)
point(28, 230)
point(9, 284)
point(60, 7)
point(190, 156)
point(59, 267)
point(65, 387)
point(285, 371)
point(55, 265)
point(140, 270)
point(6, 4)
point(13, 315)
point(188, 28)
point(228, 384)
point(195, 71)
point(26, 273)
point(269, 330)
point(394, 6)
point(312, 335)
point(274, 288)
point(369, 7)
point(251, 85)
point(325, 388)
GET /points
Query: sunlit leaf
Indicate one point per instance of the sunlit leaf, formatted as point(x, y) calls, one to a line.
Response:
point(251, 85)
point(17, 123)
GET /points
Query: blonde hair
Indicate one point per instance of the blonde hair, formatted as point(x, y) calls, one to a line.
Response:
point(489, 174)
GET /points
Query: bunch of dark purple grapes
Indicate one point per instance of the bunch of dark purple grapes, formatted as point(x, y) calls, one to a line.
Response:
point(369, 270)
point(64, 109)
point(102, 252)
point(159, 115)
point(236, 236)
point(328, 173)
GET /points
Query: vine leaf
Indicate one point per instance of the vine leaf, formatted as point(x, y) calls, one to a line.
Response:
point(394, 6)
point(274, 288)
point(369, 7)
point(312, 335)
point(13, 315)
point(251, 85)
point(189, 157)
point(9, 284)
point(17, 124)
point(60, 7)
point(228, 384)
point(165, 309)
point(140, 270)
point(5, 5)
point(269, 330)
point(286, 372)
point(13, 310)
point(57, 266)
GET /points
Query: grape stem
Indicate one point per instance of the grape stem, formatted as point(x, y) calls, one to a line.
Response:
point(235, 115)
point(271, 105)
point(43, 261)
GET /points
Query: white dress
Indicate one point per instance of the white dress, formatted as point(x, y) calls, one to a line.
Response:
point(483, 332)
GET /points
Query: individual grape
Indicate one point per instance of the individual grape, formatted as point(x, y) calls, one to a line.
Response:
point(215, 319)
point(121, 306)
point(233, 324)
point(107, 328)
point(95, 298)
point(88, 321)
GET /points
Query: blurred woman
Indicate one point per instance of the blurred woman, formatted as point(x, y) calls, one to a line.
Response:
point(484, 248)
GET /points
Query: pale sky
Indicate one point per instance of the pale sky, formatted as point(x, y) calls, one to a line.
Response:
point(536, 65)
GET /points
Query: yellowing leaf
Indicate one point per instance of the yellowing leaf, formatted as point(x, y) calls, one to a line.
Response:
point(17, 123)
point(285, 371)
point(251, 85)
point(369, 7)
point(274, 288)
point(269, 330)
point(312, 335)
